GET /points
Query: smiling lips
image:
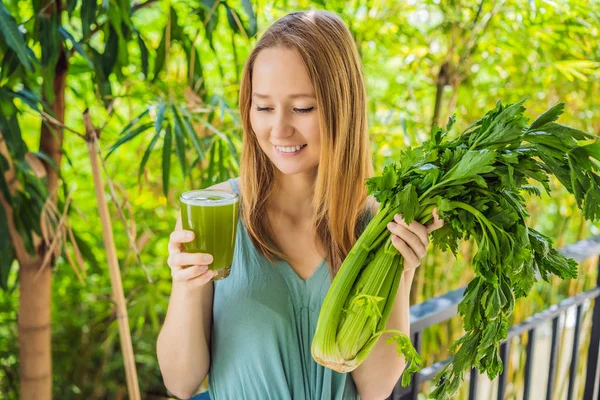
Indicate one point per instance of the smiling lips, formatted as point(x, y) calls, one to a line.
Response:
point(289, 149)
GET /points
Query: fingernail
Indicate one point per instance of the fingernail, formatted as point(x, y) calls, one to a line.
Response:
point(207, 258)
point(391, 225)
point(203, 268)
point(189, 235)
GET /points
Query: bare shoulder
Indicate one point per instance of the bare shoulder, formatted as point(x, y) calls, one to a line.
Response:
point(224, 185)
point(372, 202)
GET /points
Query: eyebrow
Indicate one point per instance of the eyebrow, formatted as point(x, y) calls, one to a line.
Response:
point(291, 96)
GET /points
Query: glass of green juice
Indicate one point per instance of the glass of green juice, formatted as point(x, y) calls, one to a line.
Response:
point(213, 216)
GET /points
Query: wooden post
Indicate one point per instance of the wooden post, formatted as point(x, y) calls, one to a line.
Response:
point(113, 264)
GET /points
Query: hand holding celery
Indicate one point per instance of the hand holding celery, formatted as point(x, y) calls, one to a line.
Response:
point(475, 181)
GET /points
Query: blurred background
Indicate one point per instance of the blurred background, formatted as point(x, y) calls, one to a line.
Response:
point(160, 81)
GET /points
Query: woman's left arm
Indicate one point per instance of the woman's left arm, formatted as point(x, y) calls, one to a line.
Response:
point(377, 376)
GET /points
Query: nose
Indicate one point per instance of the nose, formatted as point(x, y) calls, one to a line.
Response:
point(281, 127)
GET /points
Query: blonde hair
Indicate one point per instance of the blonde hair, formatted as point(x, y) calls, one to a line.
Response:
point(333, 65)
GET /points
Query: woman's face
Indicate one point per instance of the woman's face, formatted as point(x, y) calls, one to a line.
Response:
point(283, 111)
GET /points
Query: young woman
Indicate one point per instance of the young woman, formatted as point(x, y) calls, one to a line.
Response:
point(303, 203)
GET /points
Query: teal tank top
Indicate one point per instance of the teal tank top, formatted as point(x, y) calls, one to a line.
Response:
point(264, 319)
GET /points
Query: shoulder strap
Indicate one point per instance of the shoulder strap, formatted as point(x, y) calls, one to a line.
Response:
point(235, 186)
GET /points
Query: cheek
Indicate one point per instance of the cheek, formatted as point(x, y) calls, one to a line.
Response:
point(312, 130)
point(257, 126)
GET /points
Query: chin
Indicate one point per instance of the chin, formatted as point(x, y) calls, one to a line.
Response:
point(292, 170)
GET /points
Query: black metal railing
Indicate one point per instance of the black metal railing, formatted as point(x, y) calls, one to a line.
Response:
point(442, 308)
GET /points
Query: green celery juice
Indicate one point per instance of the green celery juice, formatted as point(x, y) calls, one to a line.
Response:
point(212, 215)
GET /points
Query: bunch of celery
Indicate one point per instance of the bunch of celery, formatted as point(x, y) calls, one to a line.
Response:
point(476, 181)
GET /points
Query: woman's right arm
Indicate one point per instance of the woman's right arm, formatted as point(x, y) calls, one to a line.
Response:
point(183, 346)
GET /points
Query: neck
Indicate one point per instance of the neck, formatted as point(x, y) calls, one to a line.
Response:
point(293, 195)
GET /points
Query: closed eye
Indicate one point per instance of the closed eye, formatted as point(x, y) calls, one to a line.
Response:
point(298, 110)
point(304, 110)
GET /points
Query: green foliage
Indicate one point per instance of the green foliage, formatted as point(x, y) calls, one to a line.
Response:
point(490, 161)
point(13, 37)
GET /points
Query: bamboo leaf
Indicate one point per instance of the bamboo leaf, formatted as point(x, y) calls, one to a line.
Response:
point(101, 80)
point(111, 51)
point(6, 253)
point(12, 132)
point(10, 62)
point(211, 25)
point(231, 19)
point(252, 26)
point(160, 117)
point(195, 70)
point(211, 159)
point(4, 166)
point(47, 31)
point(86, 251)
point(135, 121)
point(144, 54)
point(29, 98)
point(13, 37)
point(222, 169)
point(71, 6)
point(76, 45)
point(147, 155)
point(130, 135)
point(167, 159)
point(180, 143)
point(88, 16)
point(223, 136)
point(190, 131)
point(160, 55)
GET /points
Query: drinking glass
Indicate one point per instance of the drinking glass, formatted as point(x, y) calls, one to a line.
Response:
point(213, 216)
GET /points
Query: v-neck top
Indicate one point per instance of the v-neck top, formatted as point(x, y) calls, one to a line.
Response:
point(264, 320)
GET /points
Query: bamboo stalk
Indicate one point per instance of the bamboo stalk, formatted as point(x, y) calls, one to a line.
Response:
point(113, 263)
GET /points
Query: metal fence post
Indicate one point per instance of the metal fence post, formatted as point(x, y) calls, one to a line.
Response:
point(592, 380)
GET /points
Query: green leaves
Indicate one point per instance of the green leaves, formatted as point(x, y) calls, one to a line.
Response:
point(472, 163)
point(143, 54)
point(476, 182)
point(76, 45)
point(14, 38)
point(6, 253)
point(548, 116)
point(47, 31)
point(147, 155)
point(180, 143)
point(128, 136)
point(175, 125)
point(88, 16)
point(166, 160)
point(252, 26)
point(408, 202)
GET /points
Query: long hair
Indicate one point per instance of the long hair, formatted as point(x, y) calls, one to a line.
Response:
point(335, 71)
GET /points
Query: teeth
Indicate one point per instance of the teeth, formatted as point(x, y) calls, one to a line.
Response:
point(289, 149)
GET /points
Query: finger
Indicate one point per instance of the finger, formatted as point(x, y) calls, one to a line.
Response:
point(418, 229)
point(183, 259)
point(202, 279)
point(434, 226)
point(404, 249)
point(181, 236)
point(437, 222)
point(409, 237)
point(174, 248)
point(195, 271)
